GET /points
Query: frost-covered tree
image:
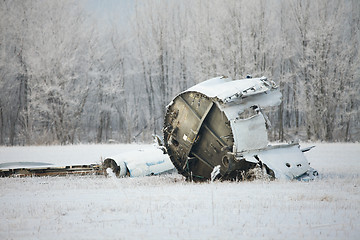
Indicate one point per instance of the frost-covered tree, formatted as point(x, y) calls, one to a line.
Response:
point(50, 68)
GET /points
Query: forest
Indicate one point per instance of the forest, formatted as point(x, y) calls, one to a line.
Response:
point(67, 77)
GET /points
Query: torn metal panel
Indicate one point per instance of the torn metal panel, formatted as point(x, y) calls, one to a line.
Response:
point(286, 161)
point(249, 133)
point(217, 123)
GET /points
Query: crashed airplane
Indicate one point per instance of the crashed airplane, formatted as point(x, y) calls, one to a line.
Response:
point(214, 130)
point(217, 129)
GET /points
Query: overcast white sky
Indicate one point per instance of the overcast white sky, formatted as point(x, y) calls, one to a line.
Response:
point(111, 10)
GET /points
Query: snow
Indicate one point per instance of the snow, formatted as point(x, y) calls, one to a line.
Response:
point(167, 207)
point(110, 172)
point(225, 88)
point(215, 172)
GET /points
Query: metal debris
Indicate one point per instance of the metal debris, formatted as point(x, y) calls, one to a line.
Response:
point(221, 122)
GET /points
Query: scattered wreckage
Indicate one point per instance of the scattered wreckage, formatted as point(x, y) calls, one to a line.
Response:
point(136, 163)
point(214, 130)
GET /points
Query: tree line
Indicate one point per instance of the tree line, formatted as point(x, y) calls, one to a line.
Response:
point(66, 77)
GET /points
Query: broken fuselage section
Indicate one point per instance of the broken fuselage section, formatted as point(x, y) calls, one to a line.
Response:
point(144, 162)
point(220, 124)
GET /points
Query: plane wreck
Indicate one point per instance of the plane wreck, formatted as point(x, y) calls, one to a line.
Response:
point(217, 129)
point(213, 130)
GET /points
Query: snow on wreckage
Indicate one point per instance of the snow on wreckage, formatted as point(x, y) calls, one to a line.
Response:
point(215, 129)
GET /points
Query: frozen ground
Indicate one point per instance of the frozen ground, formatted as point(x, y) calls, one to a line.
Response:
point(167, 207)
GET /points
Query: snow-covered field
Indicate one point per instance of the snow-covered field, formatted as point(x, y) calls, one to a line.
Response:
point(167, 207)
